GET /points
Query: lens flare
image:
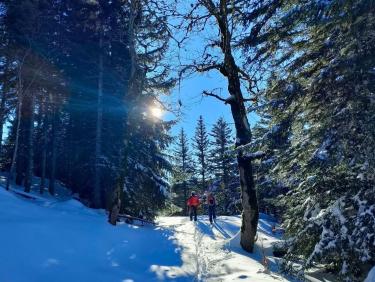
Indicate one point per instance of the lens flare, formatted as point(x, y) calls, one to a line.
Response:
point(156, 112)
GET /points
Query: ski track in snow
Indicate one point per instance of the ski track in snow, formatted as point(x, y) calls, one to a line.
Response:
point(211, 253)
point(63, 241)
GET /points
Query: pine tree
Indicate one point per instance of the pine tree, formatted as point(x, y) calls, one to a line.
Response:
point(22, 21)
point(201, 145)
point(76, 117)
point(320, 103)
point(146, 137)
point(223, 167)
point(183, 169)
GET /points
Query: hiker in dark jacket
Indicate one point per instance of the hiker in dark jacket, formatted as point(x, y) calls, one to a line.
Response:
point(211, 203)
point(193, 203)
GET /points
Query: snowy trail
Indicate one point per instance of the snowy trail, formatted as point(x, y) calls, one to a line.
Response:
point(66, 241)
point(212, 253)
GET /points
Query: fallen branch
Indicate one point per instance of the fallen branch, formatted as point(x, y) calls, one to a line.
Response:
point(131, 219)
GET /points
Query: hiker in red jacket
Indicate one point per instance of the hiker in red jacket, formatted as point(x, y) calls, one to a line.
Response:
point(193, 203)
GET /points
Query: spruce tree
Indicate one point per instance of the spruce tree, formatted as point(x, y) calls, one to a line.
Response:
point(222, 165)
point(201, 146)
point(320, 103)
point(183, 169)
point(144, 165)
point(76, 117)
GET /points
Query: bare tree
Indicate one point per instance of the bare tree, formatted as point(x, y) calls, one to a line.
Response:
point(231, 24)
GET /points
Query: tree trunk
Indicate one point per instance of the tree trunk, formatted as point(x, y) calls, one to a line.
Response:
point(2, 120)
point(16, 144)
point(134, 89)
point(70, 154)
point(185, 198)
point(99, 123)
point(203, 180)
point(29, 146)
point(1, 136)
point(44, 148)
point(250, 212)
point(51, 186)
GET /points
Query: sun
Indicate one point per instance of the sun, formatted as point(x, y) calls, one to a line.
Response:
point(156, 111)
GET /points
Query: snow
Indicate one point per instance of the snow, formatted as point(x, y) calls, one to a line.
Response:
point(269, 161)
point(63, 240)
point(246, 123)
point(274, 129)
point(290, 88)
point(213, 253)
point(255, 155)
point(230, 99)
point(340, 78)
point(361, 176)
point(161, 183)
point(322, 152)
point(371, 275)
point(67, 241)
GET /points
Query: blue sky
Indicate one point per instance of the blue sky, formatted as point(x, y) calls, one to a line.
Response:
point(189, 92)
point(194, 104)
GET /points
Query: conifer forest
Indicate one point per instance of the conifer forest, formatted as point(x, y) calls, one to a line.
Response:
point(116, 115)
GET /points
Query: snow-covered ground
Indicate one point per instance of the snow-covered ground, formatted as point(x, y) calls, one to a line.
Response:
point(48, 240)
point(213, 253)
point(371, 276)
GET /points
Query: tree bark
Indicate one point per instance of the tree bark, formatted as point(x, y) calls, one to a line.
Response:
point(2, 120)
point(29, 146)
point(99, 124)
point(44, 148)
point(250, 212)
point(51, 186)
point(134, 89)
point(16, 143)
point(185, 198)
point(203, 181)
point(1, 137)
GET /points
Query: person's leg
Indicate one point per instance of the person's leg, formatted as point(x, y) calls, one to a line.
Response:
point(191, 213)
point(195, 213)
point(214, 212)
point(210, 213)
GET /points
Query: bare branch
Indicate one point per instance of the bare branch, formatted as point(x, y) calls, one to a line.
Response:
point(199, 68)
point(211, 94)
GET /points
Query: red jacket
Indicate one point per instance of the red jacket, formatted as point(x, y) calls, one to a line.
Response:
point(193, 201)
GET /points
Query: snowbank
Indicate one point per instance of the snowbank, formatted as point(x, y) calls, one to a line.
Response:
point(371, 275)
point(66, 241)
point(48, 239)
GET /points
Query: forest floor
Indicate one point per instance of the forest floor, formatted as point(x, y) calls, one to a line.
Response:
point(43, 239)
